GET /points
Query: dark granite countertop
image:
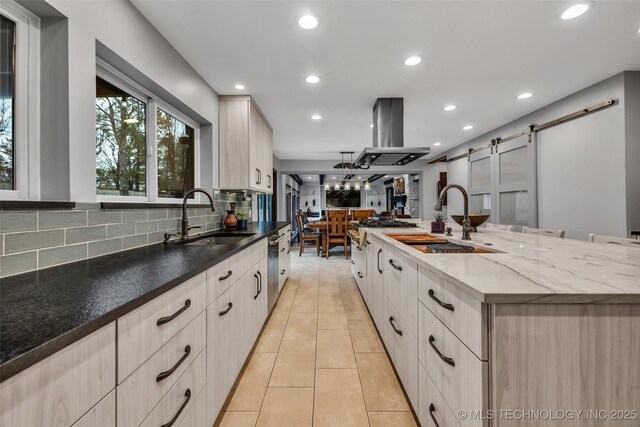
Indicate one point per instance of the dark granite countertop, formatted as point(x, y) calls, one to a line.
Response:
point(42, 312)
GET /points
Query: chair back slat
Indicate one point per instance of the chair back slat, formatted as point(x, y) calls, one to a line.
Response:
point(362, 214)
point(336, 222)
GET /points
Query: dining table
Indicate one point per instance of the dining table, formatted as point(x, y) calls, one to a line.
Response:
point(321, 226)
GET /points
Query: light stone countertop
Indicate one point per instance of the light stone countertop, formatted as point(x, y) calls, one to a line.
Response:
point(532, 268)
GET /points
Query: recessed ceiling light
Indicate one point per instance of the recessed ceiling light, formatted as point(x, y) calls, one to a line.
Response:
point(312, 79)
point(308, 177)
point(371, 125)
point(437, 144)
point(386, 176)
point(240, 86)
point(574, 11)
point(412, 60)
point(468, 127)
point(525, 95)
point(316, 117)
point(308, 22)
point(333, 177)
point(359, 177)
point(450, 108)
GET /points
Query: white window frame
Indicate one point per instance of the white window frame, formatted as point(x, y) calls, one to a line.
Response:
point(27, 109)
point(113, 76)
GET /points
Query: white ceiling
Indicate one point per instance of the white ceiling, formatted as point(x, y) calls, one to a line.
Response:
point(478, 55)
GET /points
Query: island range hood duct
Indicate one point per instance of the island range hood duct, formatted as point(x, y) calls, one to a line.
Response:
point(388, 137)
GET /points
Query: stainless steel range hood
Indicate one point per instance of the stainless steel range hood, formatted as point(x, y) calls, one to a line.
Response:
point(388, 137)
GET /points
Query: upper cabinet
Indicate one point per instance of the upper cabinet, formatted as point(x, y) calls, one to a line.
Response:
point(245, 146)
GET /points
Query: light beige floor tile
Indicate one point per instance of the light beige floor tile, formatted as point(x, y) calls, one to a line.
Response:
point(379, 383)
point(395, 419)
point(355, 310)
point(295, 364)
point(329, 296)
point(332, 317)
point(301, 326)
point(306, 301)
point(269, 341)
point(253, 384)
point(282, 309)
point(365, 337)
point(338, 399)
point(239, 419)
point(335, 350)
point(287, 407)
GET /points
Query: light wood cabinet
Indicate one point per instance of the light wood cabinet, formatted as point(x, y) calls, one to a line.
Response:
point(101, 415)
point(59, 390)
point(433, 411)
point(401, 285)
point(284, 259)
point(375, 278)
point(245, 146)
point(143, 331)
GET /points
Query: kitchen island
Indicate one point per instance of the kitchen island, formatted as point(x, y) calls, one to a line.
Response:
point(537, 328)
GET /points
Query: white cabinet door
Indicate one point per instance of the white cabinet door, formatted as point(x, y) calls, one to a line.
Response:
point(377, 255)
point(401, 285)
point(257, 175)
point(259, 303)
point(223, 346)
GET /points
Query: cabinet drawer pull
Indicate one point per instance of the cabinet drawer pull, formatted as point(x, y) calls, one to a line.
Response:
point(360, 275)
point(397, 267)
point(226, 276)
point(379, 252)
point(162, 375)
point(289, 250)
point(187, 394)
point(282, 250)
point(440, 303)
point(260, 275)
point(282, 272)
point(223, 312)
point(399, 332)
point(444, 358)
point(257, 286)
point(167, 319)
point(269, 178)
point(353, 262)
point(259, 176)
point(432, 409)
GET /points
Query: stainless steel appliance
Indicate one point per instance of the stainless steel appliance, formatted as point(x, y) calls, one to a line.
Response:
point(272, 269)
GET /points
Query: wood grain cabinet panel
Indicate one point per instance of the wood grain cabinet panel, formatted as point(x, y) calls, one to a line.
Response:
point(57, 391)
point(567, 356)
point(139, 335)
point(457, 373)
point(433, 411)
point(181, 397)
point(464, 315)
point(376, 254)
point(101, 415)
point(401, 285)
point(141, 391)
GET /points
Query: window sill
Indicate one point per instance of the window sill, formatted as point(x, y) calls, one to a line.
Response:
point(14, 205)
point(149, 205)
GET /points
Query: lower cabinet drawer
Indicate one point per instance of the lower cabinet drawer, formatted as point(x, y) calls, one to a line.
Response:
point(101, 415)
point(457, 373)
point(433, 410)
point(197, 415)
point(402, 346)
point(144, 330)
point(143, 389)
point(180, 398)
point(60, 389)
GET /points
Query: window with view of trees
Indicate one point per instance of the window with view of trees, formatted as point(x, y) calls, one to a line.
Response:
point(121, 139)
point(175, 156)
point(7, 103)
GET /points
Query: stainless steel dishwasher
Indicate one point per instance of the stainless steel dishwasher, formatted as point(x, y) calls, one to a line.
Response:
point(273, 271)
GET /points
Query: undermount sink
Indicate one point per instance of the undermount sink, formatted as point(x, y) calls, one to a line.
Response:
point(430, 244)
point(218, 238)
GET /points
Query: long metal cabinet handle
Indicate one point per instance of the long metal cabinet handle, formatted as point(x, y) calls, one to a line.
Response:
point(444, 358)
point(379, 252)
point(398, 331)
point(223, 312)
point(162, 375)
point(397, 267)
point(260, 275)
point(167, 319)
point(432, 408)
point(442, 304)
point(257, 286)
point(187, 394)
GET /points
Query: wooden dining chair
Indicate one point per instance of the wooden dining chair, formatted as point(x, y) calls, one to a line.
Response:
point(337, 230)
point(543, 232)
point(307, 235)
point(361, 215)
point(601, 238)
point(501, 227)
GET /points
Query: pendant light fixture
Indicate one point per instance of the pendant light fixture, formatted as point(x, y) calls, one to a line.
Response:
point(344, 182)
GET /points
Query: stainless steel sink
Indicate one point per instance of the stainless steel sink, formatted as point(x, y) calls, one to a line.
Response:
point(219, 238)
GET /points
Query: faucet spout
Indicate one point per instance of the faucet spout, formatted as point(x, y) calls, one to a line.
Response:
point(185, 219)
point(466, 225)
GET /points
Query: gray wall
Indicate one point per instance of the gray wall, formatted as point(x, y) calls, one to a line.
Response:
point(122, 29)
point(632, 157)
point(583, 180)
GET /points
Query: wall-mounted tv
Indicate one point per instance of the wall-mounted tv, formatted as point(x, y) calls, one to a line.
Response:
point(343, 198)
